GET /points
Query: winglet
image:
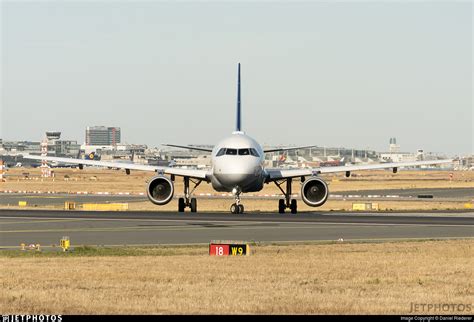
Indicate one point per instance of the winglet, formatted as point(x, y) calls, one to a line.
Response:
point(239, 124)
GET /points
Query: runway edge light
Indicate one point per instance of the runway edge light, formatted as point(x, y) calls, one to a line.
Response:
point(69, 205)
point(65, 243)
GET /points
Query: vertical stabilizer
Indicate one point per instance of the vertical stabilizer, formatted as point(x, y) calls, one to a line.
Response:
point(239, 124)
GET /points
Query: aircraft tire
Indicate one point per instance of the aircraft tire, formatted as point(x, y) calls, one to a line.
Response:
point(181, 205)
point(294, 206)
point(281, 206)
point(193, 205)
point(234, 209)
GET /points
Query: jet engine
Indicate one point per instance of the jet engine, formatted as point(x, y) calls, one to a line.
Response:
point(315, 192)
point(160, 190)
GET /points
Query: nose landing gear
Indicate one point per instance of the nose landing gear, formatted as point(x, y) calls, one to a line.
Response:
point(237, 207)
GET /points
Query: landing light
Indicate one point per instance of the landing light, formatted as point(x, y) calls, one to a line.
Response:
point(236, 191)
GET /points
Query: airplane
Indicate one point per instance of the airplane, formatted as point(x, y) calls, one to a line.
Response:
point(92, 156)
point(332, 163)
point(237, 166)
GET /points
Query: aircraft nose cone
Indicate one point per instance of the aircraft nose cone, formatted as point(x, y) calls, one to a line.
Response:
point(237, 166)
point(235, 179)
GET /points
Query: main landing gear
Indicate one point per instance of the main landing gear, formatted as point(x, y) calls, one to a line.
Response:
point(237, 207)
point(187, 201)
point(287, 202)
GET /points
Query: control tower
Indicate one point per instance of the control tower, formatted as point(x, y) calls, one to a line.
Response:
point(53, 136)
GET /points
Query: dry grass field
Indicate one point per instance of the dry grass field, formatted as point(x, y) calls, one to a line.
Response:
point(113, 181)
point(343, 278)
point(101, 180)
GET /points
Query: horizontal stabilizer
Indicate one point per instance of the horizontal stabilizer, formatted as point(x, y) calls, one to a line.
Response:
point(188, 147)
point(289, 149)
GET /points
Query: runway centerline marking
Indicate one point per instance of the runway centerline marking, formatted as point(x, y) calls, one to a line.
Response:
point(136, 228)
point(188, 228)
point(296, 221)
point(235, 224)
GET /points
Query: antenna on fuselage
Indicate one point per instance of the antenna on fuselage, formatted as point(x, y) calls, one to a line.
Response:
point(239, 124)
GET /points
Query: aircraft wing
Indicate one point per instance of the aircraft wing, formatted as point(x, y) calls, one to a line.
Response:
point(278, 174)
point(188, 147)
point(289, 149)
point(192, 173)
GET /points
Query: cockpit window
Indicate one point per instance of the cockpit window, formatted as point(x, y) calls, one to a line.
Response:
point(254, 152)
point(231, 151)
point(227, 151)
point(221, 152)
point(244, 152)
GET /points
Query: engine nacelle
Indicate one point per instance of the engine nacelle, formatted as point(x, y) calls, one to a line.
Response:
point(160, 190)
point(314, 192)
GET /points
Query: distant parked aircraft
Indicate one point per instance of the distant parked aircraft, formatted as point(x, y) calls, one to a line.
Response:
point(332, 163)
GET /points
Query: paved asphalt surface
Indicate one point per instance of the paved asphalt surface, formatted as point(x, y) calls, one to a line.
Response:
point(460, 193)
point(151, 228)
point(59, 199)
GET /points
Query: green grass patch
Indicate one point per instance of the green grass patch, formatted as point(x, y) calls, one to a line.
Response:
point(188, 250)
point(91, 251)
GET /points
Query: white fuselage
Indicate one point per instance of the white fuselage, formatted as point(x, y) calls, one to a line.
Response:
point(237, 163)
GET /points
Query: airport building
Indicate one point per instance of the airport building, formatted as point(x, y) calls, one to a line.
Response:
point(13, 151)
point(320, 156)
point(102, 135)
point(56, 146)
point(61, 148)
point(466, 163)
point(394, 155)
point(13, 147)
point(139, 153)
point(130, 152)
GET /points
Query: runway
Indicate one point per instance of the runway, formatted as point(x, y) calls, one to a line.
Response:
point(40, 199)
point(445, 193)
point(59, 199)
point(152, 228)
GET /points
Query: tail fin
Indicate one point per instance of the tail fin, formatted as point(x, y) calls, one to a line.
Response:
point(239, 124)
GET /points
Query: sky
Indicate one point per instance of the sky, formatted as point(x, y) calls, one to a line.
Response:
point(329, 73)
